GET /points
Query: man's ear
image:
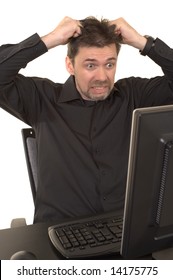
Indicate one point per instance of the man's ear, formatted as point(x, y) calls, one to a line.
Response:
point(69, 65)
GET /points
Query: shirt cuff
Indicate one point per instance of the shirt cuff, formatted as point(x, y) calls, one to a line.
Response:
point(149, 44)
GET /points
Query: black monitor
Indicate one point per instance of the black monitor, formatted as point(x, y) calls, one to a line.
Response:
point(148, 214)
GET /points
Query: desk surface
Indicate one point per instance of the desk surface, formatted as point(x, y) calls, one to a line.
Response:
point(31, 238)
point(35, 239)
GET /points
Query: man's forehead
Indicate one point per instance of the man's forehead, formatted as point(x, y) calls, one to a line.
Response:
point(94, 53)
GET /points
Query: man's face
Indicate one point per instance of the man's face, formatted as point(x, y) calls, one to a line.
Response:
point(94, 71)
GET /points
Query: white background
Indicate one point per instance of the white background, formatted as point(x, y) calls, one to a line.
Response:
point(19, 19)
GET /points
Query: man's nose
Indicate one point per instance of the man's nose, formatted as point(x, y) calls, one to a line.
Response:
point(101, 74)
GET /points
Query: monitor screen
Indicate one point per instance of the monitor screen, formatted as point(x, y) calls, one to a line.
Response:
point(148, 213)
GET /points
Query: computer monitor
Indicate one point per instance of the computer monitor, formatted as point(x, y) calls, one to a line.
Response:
point(148, 213)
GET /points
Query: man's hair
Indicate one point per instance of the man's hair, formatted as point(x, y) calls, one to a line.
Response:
point(94, 33)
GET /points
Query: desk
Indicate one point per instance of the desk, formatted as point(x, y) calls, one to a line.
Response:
point(34, 238)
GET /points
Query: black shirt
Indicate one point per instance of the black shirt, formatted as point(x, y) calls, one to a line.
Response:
point(82, 145)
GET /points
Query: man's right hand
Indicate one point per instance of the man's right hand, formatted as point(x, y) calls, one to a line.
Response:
point(66, 29)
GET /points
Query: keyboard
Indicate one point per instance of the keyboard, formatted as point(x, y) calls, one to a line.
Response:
point(88, 237)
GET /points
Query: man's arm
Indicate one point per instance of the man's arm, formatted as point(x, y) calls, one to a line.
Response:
point(13, 57)
point(17, 91)
point(158, 51)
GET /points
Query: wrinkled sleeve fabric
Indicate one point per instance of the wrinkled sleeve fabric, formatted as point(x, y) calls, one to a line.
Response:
point(13, 57)
point(162, 55)
point(154, 91)
point(15, 89)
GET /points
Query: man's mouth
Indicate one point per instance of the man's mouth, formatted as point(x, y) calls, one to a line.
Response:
point(99, 89)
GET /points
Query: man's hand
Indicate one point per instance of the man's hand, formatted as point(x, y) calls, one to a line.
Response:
point(128, 34)
point(66, 29)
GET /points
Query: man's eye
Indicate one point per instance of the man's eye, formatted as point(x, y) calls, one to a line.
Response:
point(90, 66)
point(110, 65)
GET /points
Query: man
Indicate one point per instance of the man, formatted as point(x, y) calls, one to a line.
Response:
point(82, 126)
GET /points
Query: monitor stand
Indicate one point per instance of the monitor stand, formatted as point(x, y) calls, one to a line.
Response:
point(166, 254)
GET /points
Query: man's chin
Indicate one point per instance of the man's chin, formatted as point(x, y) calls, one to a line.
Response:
point(99, 97)
point(95, 96)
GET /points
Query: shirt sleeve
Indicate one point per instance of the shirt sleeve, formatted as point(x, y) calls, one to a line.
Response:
point(155, 91)
point(162, 54)
point(18, 93)
point(13, 57)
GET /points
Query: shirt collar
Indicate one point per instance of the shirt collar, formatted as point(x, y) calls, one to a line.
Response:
point(69, 91)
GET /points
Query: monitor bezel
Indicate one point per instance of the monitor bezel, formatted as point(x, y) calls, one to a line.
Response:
point(139, 236)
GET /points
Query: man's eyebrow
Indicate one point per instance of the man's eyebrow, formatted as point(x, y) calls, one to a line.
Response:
point(93, 59)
